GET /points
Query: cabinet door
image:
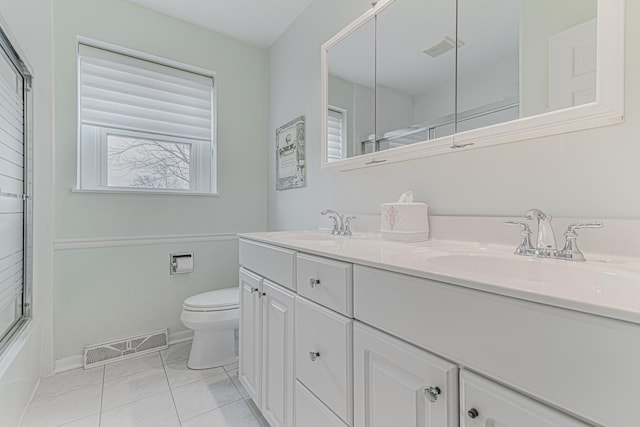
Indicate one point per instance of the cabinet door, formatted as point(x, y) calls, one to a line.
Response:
point(399, 385)
point(277, 355)
point(249, 360)
point(484, 403)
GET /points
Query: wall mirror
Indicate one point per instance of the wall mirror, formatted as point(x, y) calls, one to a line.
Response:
point(412, 78)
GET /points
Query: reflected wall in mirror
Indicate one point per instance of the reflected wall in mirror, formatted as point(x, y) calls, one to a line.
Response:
point(351, 93)
point(416, 76)
point(521, 58)
point(415, 63)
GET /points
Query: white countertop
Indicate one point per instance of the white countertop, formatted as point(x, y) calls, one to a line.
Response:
point(602, 286)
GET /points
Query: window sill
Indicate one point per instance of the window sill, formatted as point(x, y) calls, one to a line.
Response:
point(142, 192)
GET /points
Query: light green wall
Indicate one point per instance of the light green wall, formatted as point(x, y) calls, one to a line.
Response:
point(587, 174)
point(241, 75)
point(108, 293)
point(105, 294)
point(540, 19)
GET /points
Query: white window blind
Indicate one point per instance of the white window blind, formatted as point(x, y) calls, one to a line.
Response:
point(161, 112)
point(335, 135)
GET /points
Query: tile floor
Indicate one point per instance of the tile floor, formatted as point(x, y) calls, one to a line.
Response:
point(155, 390)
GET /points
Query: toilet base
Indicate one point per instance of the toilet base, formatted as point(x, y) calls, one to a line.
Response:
point(211, 349)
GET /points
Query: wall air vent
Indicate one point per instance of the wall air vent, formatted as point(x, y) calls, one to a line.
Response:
point(101, 354)
point(442, 46)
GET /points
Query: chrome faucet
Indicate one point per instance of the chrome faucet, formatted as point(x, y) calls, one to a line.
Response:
point(341, 225)
point(337, 221)
point(546, 241)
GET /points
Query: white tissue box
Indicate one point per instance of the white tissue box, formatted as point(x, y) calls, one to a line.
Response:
point(404, 222)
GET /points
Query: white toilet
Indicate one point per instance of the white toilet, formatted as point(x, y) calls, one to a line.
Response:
point(213, 316)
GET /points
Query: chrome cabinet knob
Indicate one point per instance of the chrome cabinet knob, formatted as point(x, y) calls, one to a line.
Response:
point(313, 355)
point(473, 413)
point(313, 282)
point(432, 393)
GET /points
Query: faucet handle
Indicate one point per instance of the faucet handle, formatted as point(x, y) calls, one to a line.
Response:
point(525, 247)
point(570, 251)
point(571, 230)
point(524, 225)
point(346, 231)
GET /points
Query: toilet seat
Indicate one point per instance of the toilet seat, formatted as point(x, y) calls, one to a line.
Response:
point(219, 300)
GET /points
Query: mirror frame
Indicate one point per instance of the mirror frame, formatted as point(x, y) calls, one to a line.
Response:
point(607, 109)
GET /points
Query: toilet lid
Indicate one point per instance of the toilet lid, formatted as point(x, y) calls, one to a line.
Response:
point(222, 299)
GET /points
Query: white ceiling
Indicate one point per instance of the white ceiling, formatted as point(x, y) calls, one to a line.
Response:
point(258, 22)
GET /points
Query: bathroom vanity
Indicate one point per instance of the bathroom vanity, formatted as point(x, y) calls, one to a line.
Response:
point(357, 331)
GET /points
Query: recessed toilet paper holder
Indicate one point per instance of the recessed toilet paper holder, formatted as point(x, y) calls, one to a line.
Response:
point(181, 263)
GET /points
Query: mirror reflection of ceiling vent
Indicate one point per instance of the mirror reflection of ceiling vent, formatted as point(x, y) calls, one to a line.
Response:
point(445, 45)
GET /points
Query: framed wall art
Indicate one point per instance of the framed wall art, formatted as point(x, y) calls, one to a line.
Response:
point(290, 161)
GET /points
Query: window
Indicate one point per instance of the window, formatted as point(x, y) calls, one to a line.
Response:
point(144, 126)
point(15, 190)
point(336, 134)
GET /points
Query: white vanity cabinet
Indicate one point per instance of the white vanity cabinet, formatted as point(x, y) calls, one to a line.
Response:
point(266, 361)
point(397, 384)
point(580, 363)
point(484, 403)
point(365, 346)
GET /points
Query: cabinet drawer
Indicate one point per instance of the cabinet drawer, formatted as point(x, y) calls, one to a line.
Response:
point(310, 412)
point(483, 402)
point(271, 262)
point(327, 282)
point(324, 356)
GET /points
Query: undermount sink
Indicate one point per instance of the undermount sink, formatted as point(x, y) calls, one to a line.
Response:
point(304, 235)
point(573, 280)
point(316, 236)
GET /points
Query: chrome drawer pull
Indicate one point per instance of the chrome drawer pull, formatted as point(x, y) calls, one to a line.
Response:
point(314, 282)
point(313, 355)
point(432, 393)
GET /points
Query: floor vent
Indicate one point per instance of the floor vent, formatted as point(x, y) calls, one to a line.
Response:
point(101, 354)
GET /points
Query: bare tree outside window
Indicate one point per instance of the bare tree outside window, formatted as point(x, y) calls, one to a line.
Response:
point(145, 163)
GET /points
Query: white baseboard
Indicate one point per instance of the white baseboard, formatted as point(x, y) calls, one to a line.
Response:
point(180, 336)
point(76, 361)
point(68, 363)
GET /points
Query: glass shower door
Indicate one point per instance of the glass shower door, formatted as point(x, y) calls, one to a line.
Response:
point(13, 190)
